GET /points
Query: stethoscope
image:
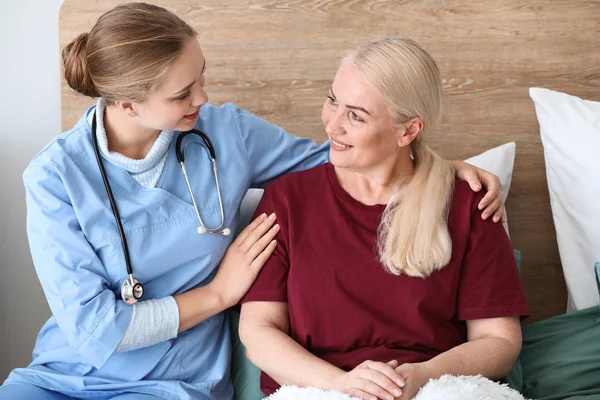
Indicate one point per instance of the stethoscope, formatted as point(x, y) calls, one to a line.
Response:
point(131, 289)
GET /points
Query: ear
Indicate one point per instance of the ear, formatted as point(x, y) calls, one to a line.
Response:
point(126, 107)
point(411, 129)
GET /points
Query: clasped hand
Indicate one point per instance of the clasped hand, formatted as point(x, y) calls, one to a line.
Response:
point(374, 380)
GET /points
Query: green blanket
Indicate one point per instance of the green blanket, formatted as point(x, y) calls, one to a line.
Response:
point(560, 358)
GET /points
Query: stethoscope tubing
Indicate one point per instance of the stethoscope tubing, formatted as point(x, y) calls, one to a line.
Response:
point(132, 290)
point(111, 199)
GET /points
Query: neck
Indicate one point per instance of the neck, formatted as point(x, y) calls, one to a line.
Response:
point(125, 136)
point(378, 184)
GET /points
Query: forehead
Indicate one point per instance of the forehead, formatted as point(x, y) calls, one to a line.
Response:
point(351, 88)
point(185, 69)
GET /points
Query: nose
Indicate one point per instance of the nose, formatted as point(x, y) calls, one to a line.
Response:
point(334, 125)
point(199, 95)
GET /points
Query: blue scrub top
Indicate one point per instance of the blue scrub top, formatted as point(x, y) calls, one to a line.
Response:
point(78, 256)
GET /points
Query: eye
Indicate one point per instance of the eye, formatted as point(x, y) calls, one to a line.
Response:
point(185, 95)
point(332, 101)
point(355, 117)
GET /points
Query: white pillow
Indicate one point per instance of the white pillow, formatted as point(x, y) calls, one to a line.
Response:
point(248, 206)
point(570, 131)
point(499, 161)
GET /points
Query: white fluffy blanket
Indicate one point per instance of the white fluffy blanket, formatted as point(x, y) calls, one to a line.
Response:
point(448, 387)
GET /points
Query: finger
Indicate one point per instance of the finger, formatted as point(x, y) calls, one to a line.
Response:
point(487, 200)
point(257, 233)
point(262, 258)
point(494, 207)
point(388, 387)
point(371, 387)
point(473, 180)
point(493, 187)
point(389, 372)
point(251, 227)
point(499, 216)
point(262, 242)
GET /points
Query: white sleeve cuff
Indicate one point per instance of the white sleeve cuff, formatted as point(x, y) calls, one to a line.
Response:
point(153, 321)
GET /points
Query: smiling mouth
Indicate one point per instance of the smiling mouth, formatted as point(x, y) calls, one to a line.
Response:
point(338, 144)
point(192, 115)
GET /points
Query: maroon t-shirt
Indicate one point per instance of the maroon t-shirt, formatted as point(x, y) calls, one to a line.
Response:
point(345, 308)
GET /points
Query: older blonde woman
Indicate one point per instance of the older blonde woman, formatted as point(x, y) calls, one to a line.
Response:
point(385, 275)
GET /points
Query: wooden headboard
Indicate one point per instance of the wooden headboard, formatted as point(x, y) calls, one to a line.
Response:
point(277, 59)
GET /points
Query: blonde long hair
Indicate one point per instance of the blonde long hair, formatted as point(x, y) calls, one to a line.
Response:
point(413, 237)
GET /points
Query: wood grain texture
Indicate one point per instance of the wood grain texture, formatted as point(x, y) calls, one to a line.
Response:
point(277, 58)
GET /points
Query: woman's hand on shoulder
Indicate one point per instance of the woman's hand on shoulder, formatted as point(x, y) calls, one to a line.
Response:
point(371, 380)
point(244, 259)
point(492, 203)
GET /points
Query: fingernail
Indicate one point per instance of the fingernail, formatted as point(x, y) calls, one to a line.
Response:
point(272, 216)
point(480, 206)
point(496, 219)
point(262, 216)
point(485, 215)
point(400, 382)
point(397, 392)
point(276, 227)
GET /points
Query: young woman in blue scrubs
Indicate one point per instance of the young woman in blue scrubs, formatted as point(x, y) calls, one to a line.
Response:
point(146, 67)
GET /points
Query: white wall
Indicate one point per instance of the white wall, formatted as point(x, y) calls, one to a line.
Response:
point(29, 118)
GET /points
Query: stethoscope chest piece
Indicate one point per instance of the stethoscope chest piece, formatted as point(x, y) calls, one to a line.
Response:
point(131, 290)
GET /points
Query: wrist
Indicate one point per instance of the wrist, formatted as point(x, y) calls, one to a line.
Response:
point(197, 305)
point(216, 296)
point(429, 370)
point(332, 381)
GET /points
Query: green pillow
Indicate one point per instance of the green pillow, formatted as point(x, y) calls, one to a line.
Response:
point(245, 375)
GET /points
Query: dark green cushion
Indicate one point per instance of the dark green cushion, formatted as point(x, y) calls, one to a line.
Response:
point(245, 375)
point(517, 254)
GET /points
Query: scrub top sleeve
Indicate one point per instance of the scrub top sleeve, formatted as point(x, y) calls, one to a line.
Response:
point(272, 151)
point(73, 278)
point(490, 285)
point(271, 283)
